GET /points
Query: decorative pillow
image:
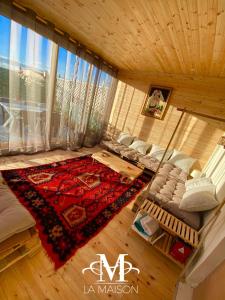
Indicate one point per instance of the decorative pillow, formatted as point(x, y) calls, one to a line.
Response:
point(140, 146)
point(200, 182)
point(157, 152)
point(125, 139)
point(182, 161)
point(199, 198)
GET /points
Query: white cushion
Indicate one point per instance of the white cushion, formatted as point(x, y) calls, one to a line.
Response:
point(182, 161)
point(14, 218)
point(157, 152)
point(125, 139)
point(200, 182)
point(199, 198)
point(140, 146)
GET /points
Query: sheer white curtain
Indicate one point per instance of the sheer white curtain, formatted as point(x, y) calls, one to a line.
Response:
point(52, 97)
point(29, 67)
point(14, 128)
point(84, 95)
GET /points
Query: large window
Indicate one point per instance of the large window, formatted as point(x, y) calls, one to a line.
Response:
point(49, 96)
point(25, 59)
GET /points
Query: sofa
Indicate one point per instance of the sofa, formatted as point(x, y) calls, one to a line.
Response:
point(167, 190)
point(14, 218)
point(146, 155)
point(149, 162)
point(168, 187)
point(18, 236)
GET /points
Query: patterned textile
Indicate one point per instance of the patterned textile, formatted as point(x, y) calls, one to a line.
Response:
point(131, 154)
point(149, 162)
point(114, 146)
point(71, 201)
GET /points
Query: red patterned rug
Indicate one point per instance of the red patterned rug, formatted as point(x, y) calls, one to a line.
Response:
point(71, 201)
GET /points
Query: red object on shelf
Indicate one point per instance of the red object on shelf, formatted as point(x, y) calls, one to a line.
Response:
point(180, 251)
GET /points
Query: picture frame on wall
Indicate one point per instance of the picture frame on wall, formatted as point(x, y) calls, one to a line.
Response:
point(156, 102)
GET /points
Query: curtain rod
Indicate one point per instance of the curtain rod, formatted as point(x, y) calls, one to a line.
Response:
point(191, 112)
point(71, 39)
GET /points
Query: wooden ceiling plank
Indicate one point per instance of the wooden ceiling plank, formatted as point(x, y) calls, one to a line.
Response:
point(160, 51)
point(187, 18)
point(193, 15)
point(202, 16)
point(212, 24)
point(165, 21)
point(131, 33)
point(136, 24)
point(147, 34)
point(181, 24)
point(220, 49)
point(217, 40)
point(176, 36)
point(164, 37)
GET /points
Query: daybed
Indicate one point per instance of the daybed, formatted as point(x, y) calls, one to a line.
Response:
point(17, 234)
point(205, 193)
point(137, 151)
point(167, 190)
point(168, 186)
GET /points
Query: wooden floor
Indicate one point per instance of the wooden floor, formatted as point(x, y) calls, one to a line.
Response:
point(34, 278)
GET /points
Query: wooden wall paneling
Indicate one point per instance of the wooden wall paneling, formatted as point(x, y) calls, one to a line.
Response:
point(204, 94)
point(212, 287)
point(197, 136)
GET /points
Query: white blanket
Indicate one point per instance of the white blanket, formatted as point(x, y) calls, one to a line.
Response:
point(14, 218)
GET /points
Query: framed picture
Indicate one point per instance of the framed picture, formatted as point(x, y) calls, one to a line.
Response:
point(156, 101)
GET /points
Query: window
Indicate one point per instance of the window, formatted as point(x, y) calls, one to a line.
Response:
point(25, 58)
point(49, 96)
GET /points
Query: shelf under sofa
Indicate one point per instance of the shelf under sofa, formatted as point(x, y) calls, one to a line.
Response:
point(164, 245)
point(171, 224)
point(18, 246)
point(161, 240)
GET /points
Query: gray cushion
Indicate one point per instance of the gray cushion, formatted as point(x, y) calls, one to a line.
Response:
point(149, 162)
point(131, 154)
point(114, 146)
point(167, 192)
point(168, 169)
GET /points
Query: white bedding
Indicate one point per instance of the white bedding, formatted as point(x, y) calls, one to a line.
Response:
point(14, 218)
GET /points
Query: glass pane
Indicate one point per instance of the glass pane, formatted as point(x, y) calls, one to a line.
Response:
point(25, 63)
point(81, 99)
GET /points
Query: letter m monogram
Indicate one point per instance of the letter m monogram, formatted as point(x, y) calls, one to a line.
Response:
point(102, 267)
point(111, 270)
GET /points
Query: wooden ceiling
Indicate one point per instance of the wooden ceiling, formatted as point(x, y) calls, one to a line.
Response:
point(163, 36)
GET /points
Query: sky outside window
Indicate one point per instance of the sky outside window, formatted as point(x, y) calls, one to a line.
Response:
point(23, 48)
